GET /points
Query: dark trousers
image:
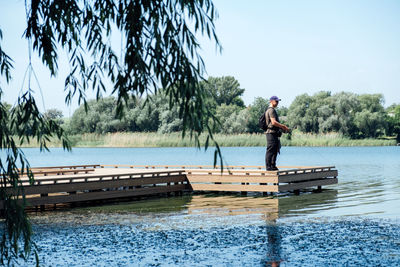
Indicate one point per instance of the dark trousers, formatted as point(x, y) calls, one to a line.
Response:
point(273, 147)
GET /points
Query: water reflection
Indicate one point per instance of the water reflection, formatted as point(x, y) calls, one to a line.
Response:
point(227, 208)
point(273, 255)
point(270, 208)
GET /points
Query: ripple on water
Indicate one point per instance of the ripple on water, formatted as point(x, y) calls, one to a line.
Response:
point(238, 241)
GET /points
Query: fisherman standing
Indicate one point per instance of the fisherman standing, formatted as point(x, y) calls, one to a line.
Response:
point(274, 132)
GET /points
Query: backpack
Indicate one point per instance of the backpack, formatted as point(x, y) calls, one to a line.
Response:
point(262, 121)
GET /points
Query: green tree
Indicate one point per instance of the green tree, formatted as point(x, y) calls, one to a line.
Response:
point(346, 106)
point(168, 117)
point(371, 102)
point(98, 116)
point(148, 115)
point(393, 121)
point(328, 121)
point(224, 90)
point(255, 110)
point(160, 50)
point(228, 116)
point(303, 112)
point(236, 123)
point(54, 114)
point(369, 124)
point(370, 119)
point(348, 113)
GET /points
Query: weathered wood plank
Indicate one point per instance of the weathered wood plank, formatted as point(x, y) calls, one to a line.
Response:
point(196, 178)
point(200, 167)
point(60, 171)
point(69, 166)
point(104, 195)
point(264, 172)
point(231, 172)
point(303, 185)
point(80, 186)
point(72, 178)
point(234, 187)
point(305, 170)
point(306, 176)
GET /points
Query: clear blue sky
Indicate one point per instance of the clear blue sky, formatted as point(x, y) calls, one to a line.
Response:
point(282, 48)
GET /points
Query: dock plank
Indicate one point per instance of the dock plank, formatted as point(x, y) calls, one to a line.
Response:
point(234, 188)
point(306, 176)
point(96, 185)
point(193, 178)
point(303, 185)
point(68, 198)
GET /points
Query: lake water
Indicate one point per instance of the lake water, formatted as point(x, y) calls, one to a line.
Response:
point(354, 223)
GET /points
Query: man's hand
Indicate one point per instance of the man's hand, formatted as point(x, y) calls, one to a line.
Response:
point(274, 122)
point(285, 128)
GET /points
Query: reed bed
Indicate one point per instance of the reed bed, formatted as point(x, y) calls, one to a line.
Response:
point(153, 139)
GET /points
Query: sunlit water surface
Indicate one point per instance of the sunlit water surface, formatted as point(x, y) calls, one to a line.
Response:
point(355, 223)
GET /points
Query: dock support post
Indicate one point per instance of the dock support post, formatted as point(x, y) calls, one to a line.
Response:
point(243, 193)
point(42, 207)
point(168, 193)
point(264, 193)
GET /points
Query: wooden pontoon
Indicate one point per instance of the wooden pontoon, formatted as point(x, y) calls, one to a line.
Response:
point(69, 184)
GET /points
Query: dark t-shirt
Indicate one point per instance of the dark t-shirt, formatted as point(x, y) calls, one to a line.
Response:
point(271, 113)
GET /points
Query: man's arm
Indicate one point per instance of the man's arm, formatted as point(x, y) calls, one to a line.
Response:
point(275, 123)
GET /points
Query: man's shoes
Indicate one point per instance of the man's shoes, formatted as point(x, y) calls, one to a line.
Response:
point(272, 168)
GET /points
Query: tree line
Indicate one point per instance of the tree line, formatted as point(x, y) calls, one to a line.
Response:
point(353, 115)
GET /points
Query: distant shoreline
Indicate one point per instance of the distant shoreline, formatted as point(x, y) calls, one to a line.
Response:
point(150, 139)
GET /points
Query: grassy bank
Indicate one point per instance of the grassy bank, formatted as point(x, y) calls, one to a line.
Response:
point(175, 140)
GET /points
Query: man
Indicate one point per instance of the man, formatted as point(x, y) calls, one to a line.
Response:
point(273, 132)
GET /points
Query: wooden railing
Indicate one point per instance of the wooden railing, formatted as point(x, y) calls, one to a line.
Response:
point(234, 167)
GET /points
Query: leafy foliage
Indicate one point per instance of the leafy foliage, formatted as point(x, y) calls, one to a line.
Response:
point(18, 126)
point(154, 113)
point(255, 110)
point(224, 90)
point(356, 116)
point(233, 119)
point(351, 115)
point(393, 121)
point(160, 50)
point(54, 114)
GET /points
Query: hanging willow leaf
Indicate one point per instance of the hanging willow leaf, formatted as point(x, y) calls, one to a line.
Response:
point(160, 53)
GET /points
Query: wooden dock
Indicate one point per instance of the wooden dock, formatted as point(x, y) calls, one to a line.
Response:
point(70, 184)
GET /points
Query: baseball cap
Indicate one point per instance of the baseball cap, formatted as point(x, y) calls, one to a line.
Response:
point(274, 97)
